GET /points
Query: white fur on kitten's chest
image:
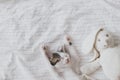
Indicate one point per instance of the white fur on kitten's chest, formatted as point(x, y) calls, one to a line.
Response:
point(60, 67)
point(66, 71)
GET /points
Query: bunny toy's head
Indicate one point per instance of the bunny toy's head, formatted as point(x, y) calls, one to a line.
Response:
point(104, 40)
point(98, 41)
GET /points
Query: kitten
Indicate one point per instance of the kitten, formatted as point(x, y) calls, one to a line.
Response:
point(59, 64)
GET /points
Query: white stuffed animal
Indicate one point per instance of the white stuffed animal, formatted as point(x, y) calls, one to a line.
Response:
point(101, 43)
point(110, 62)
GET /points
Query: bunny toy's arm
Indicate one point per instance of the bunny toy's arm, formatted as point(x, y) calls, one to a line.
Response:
point(91, 67)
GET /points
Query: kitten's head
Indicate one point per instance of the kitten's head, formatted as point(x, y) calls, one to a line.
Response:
point(60, 57)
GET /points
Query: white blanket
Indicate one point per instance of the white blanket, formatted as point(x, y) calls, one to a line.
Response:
point(25, 24)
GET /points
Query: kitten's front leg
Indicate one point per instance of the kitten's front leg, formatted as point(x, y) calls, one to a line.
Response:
point(43, 49)
point(78, 68)
point(52, 69)
point(75, 58)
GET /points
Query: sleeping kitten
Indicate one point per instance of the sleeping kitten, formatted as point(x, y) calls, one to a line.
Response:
point(59, 64)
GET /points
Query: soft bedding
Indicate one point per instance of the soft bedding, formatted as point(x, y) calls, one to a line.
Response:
point(25, 24)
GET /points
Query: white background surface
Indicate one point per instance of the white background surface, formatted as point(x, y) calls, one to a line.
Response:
point(25, 24)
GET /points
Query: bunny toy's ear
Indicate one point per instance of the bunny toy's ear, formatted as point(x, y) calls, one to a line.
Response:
point(89, 43)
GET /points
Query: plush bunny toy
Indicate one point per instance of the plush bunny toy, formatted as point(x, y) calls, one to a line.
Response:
point(107, 56)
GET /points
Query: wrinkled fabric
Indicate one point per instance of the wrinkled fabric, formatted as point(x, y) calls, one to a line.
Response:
point(25, 24)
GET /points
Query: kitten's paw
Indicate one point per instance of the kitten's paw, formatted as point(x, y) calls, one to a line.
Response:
point(67, 40)
point(44, 47)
